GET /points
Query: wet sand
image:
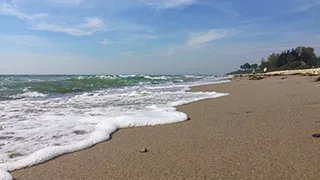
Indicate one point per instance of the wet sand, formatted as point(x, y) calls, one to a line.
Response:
point(262, 130)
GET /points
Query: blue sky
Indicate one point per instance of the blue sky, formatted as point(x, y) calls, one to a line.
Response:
point(150, 36)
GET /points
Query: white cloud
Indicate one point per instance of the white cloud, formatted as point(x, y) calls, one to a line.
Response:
point(230, 12)
point(11, 10)
point(91, 26)
point(203, 38)
point(178, 3)
point(167, 4)
point(223, 6)
point(303, 5)
point(25, 40)
point(106, 41)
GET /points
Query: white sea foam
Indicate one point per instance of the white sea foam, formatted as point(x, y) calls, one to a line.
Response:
point(35, 130)
point(107, 77)
point(192, 76)
point(4, 175)
point(156, 77)
point(28, 95)
point(126, 76)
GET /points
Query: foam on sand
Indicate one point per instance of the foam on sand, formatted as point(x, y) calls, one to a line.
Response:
point(37, 130)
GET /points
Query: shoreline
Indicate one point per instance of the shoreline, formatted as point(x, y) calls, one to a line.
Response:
point(50, 153)
point(180, 143)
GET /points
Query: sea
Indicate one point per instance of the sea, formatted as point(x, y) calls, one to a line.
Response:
point(44, 116)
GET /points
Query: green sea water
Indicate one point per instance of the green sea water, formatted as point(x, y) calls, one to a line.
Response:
point(10, 86)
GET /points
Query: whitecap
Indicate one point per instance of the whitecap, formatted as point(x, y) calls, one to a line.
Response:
point(29, 95)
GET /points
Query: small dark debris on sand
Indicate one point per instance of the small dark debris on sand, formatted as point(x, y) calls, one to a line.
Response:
point(317, 79)
point(144, 150)
point(317, 135)
point(255, 77)
point(310, 74)
point(249, 112)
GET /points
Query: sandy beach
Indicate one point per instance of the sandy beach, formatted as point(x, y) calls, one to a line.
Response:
point(262, 130)
point(312, 71)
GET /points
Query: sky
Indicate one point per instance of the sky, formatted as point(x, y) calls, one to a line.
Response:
point(150, 36)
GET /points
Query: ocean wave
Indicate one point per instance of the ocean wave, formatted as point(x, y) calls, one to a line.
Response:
point(58, 126)
point(90, 83)
point(128, 76)
point(156, 77)
point(193, 76)
point(82, 83)
point(43, 128)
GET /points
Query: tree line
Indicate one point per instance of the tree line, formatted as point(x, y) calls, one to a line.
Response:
point(297, 58)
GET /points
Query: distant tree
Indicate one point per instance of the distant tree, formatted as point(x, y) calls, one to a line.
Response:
point(299, 57)
point(295, 64)
point(314, 61)
point(299, 50)
point(309, 56)
point(247, 66)
point(241, 67)
point(273, 58)
point(282, 60)
point(290, 58)
point(265, 64)
point(318, 61)
point(295, 55)
point(254, 66)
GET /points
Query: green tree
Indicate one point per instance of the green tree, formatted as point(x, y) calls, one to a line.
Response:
point(299, 57)
point(290, 58)
point(318, 61)
point(247, 66)
point(254, 66)
point(282, 60)
point(299, 50)
point(273, 58)
point(264, 64)
point(309, 56)
point(295, 64)
point(241, 67)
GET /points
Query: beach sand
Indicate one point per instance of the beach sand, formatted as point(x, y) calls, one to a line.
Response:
point(312, 71)
point(262, 130)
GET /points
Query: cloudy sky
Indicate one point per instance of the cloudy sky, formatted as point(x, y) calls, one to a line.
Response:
point(150, 36)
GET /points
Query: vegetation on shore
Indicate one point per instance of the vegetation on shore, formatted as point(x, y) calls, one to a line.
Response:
point(299, 58)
